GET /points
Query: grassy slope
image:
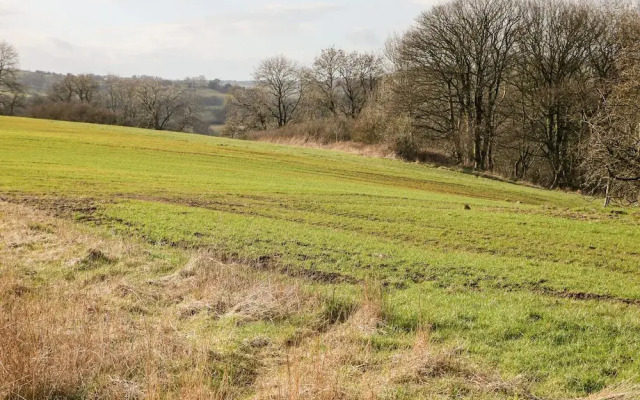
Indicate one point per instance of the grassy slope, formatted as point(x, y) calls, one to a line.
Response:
point(538, 283)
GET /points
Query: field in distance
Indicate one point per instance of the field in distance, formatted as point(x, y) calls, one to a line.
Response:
point(250, 270)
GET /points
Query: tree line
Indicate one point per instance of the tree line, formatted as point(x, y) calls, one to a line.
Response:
point(146, 102)
point(337, 84)
point(541, 90)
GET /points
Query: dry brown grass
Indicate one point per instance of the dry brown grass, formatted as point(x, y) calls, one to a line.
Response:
point(618, 392)
point(326, 366)
point(343, 363)
point(71, 327)
point(379, 150)
point(73, 338)
point(233, 291)
point(57, 345)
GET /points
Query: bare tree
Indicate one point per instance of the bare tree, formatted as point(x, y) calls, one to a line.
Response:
point(82, 88)
point(613, 155)
point(459, 56)
point(8, 64)
point(555, 80)
point(343, 83)
point(188, 116)
point(120, 98)
point(164, 105)
point(359, 76)
point(14, 99)
point(280, 79)
point(64, 90)
point(246, 111)
point(86, 87)
point(11, 92)
point(324, 80)
point(194, 83)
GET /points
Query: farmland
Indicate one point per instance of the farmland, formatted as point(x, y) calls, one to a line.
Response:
point(446, 284)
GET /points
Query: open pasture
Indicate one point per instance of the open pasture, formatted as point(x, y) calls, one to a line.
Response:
point(540, 287)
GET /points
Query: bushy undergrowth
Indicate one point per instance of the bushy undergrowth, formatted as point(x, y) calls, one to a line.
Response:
point(374, 127)
point(73, 112)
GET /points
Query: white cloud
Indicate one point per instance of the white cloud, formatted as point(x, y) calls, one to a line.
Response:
point(176, 38)
point(314, 7)
point(423, 2)
point(7, 9)
point(363, 37)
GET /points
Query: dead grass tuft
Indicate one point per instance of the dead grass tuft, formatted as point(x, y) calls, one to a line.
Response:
point(619, 392)
point(380, 150)
point(95, 258)
point(78, 338)
point(60, 343)
point(343, 363)
point(326, 367)
point(234, 291)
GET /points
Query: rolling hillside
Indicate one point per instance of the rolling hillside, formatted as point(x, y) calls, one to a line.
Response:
point(503, 291)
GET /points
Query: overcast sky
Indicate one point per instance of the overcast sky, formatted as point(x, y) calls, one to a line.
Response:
point(180, 38)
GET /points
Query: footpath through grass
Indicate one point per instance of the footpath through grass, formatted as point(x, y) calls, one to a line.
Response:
point(535, 283)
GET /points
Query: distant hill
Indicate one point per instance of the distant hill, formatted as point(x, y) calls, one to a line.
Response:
point(240, 83)
point(39, 82)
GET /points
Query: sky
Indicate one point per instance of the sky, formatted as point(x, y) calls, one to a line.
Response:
point(175, 39)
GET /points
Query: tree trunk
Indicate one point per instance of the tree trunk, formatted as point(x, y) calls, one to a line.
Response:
point(607, 195)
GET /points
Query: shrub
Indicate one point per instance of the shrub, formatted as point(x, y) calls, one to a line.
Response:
point(406, 148)
point(371, 126)
point(73, 112)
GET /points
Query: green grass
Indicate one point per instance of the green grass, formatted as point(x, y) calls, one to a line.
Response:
point(540, 283)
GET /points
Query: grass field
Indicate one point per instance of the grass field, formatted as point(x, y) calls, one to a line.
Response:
point(338, 276)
